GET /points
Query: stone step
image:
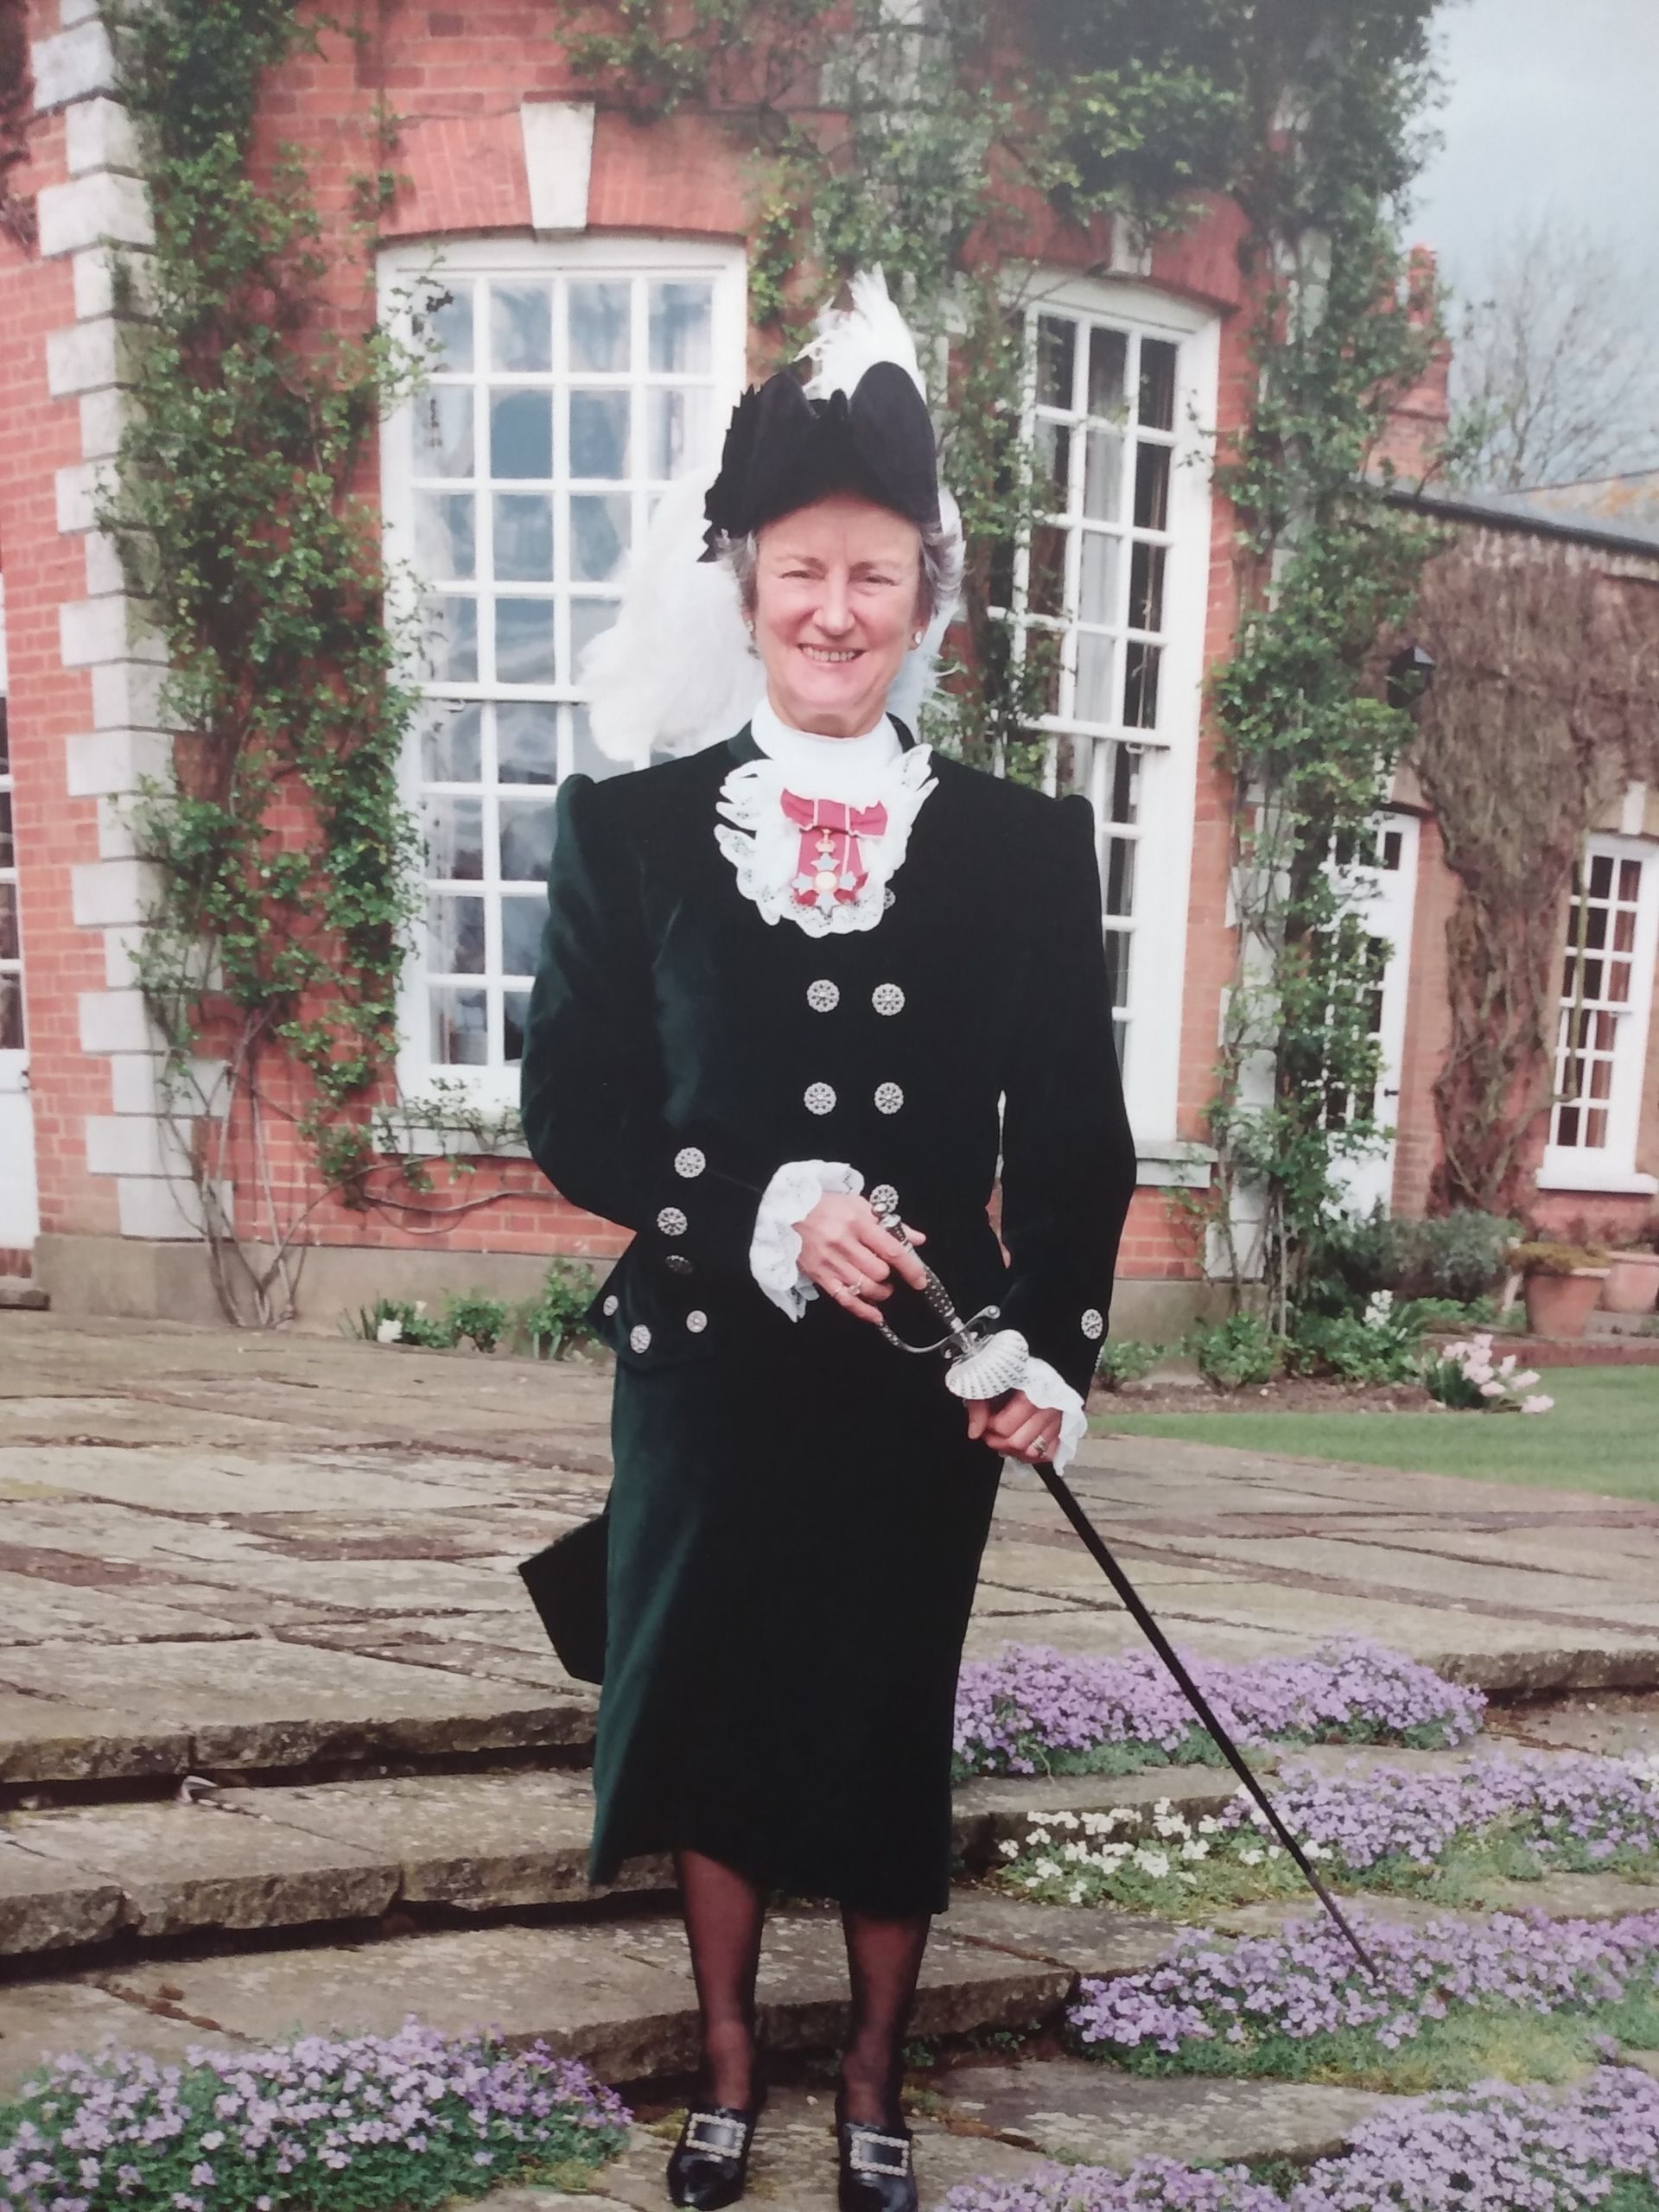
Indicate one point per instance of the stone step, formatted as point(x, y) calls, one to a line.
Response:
point(86, 1713)
point(616, 1992)
point(243, 1861)
point(22, 1295)
point(247, 1860)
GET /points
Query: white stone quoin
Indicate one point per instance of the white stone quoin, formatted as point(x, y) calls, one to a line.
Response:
point(101, 221)
point(558, 138)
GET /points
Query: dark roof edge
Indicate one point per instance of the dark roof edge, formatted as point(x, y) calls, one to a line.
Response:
point(1463, 507)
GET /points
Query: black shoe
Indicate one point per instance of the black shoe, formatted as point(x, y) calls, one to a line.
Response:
point(711, 2162)
point(877, 2174)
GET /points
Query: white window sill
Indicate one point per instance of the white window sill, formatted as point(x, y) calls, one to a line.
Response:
point(1601, 1177)
point(1172, 1164)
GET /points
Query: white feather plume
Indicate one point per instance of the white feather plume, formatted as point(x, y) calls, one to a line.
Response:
point(675, 671)
point(847, 341)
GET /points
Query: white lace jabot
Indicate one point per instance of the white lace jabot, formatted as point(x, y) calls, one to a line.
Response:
point(764, 846)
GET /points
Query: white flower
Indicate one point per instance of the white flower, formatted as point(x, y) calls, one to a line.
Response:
point(1536, 1405)
point(390, 1331)
point(1250, 1858)
point(1155, 1863)
point(1009, 1849)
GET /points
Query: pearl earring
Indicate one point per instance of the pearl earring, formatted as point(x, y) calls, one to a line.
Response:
point(916, 637)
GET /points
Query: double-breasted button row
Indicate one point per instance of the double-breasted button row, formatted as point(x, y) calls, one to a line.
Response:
point(823, 997)
point(639, 1336)
point(820, 1098)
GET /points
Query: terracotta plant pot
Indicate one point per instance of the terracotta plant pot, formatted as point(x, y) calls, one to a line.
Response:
point(1560, 1305)
point(1632, 1284)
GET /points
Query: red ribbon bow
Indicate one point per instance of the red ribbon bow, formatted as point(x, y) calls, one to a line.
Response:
point(831, 868)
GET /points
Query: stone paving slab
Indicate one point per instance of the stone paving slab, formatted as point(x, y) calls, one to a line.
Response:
point(478, 1842)
point(48, 1907)
point(34, 1611)
point(187, 1867)
point(618, 1995)
point(45, 2019)
point(280, 1705)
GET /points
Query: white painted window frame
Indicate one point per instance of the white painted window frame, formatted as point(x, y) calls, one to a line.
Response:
point(1169, 754)
point(1612, 1167)
point(400, 269)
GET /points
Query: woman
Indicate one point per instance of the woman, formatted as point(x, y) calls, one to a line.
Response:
point(808, 977)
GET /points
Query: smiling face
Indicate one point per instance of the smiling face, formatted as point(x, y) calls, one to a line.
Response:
point(836, 595)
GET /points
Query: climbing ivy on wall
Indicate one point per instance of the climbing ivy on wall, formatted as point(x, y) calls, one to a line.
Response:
point(1539, 713)
point(917, 137)
point(283, 857)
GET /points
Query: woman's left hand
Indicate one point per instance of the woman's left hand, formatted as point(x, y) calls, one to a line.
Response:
point(1013, 1427)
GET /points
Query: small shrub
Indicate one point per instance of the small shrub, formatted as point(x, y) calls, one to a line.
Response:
point(1236, 1353)
point(1467, 1378)
point(1379, 1346)
point(556, 1320)
point(482, 1320)
point(1456, 1255)
point(1126, 1359)
point(404, 1321)
point(1549, 1259)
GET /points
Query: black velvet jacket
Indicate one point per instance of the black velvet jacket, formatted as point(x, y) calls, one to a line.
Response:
point(672, 1046)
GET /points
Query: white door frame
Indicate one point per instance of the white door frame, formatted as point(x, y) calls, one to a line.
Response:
point(20, 1215)
point(1383, 898)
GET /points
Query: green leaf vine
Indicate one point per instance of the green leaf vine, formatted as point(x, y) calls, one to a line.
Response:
point(284, 860)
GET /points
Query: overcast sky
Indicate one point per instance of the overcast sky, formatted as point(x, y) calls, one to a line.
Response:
point(1553, 106)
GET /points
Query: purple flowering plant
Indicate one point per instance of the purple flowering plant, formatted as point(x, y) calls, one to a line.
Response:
point(1033, 1710)
point(1499, 2150)
point(1442, 1835)
point(360, 2124)
point(1519, 1995)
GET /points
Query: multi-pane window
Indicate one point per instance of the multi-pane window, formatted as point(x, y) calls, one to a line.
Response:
point(11, 949)
point(1091, 593)
point(1607, 978)
point(563, 396)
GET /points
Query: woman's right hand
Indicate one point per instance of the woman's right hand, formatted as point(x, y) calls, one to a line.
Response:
point(851, 1258)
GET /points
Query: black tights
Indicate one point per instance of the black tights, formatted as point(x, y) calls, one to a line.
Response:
point(723, 1917)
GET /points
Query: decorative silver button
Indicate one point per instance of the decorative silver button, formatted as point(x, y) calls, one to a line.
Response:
point(823, 996)
point(697, 1320)
point(638, 1338)
point(678, 1264)
point(888, 1098)
point(611, 1304)
point(689, 1162)
point(885, 1198)
point(671, 1222)
point(887, 998)
point(887, 898)
point(819, 1099)
point(1093, 1323)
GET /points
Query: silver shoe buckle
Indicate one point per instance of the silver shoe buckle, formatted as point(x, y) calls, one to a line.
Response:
point(713, 2134)
point(865, 2144)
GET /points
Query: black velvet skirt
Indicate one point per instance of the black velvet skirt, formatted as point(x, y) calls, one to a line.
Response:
point(795, 1539)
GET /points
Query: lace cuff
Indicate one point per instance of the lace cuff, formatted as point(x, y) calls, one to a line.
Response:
point(775, 1248)
point(1006, 1363)
point(1046, 1386)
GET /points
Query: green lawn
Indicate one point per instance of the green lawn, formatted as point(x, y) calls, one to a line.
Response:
point(1602, 1436)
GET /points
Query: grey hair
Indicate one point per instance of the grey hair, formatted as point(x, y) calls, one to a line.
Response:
point(940, 582)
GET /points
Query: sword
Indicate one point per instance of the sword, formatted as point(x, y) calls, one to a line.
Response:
point(977, 1340)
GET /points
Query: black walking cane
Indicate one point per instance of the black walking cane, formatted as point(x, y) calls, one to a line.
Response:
point(963, 1340)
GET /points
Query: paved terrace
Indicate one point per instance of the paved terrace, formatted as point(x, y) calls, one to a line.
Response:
point(284, 1567)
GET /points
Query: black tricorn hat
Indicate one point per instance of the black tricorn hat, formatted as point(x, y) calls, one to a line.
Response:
point(784, 450)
